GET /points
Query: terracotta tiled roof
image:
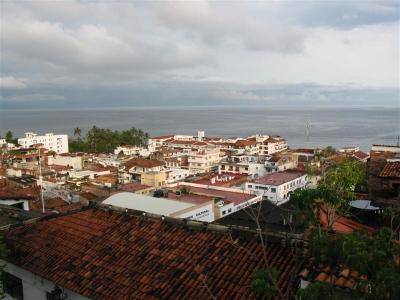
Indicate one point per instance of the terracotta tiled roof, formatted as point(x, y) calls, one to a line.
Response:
point(304, 150)
point(109, 255)
point(360, 155)
point(340, 277)
point(52, 204)
point(244, 143)
point(142, 163)
point(391, 169)
point(342, 224)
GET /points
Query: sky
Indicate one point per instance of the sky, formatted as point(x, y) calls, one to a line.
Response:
point(92, 54)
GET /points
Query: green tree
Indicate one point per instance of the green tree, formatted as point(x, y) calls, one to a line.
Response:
point(374, 256)
point(264, 282)
point(77, 132)
point(9, 137)
point(101, 140)
point(319, 291)
point(343, 180)
point(327, 152)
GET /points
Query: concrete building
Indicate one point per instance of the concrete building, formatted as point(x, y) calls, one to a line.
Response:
point(273, 145)
point(135, 167)
point(154, 178)
point(383, 169)
point(57, 143)
point(276, 187)
point(204, 160)
point(74, 161)
point(177, 174)
point(281, 162)
point(188, 201)
point(128, 150)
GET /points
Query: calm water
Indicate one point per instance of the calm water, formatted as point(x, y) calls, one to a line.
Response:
point(328, 126)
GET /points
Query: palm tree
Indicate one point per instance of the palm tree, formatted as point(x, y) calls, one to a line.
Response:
point(77, 132)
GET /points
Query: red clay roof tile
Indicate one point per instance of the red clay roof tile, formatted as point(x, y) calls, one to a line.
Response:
point(109, 255)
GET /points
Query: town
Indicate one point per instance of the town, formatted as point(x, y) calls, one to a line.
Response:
point(124, 207)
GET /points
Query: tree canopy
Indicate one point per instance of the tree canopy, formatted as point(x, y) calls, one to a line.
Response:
point(100, 140)
point(374, 256)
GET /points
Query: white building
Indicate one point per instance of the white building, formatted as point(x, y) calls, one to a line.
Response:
point(204, 160)
point(68, 160)
point(273, 145)
point(130, 150)
point(203, 203)
point(177, 174)
point(276, 186)
point(57, 143)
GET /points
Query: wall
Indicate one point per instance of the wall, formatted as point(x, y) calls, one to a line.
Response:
point(71, 161)
point(153, 178)
point(35, 287)
point(203, 213)
point(281, 194)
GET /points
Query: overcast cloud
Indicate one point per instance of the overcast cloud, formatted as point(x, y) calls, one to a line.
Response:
point(102, 54)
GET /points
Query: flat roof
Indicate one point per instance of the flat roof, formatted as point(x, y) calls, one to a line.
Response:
point(159, 206)
point(279, 178)
point(200, 195)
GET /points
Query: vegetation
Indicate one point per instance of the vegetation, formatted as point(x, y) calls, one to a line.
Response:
point(99, 140)
point(263, 282)
point(345, 178)
point(321, 290)
point(327, 152)
point(374, 256)
point(9, 137)
point(184, 190)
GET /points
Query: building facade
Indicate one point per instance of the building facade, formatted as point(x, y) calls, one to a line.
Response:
point(54, 142)
point(276, 187)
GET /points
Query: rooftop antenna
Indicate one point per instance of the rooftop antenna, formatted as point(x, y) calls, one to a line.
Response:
point(398, 141)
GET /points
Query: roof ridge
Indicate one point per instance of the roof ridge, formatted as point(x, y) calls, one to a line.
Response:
point(195, 225)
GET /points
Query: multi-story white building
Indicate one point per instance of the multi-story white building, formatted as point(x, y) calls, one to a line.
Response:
point(203, 160)
point(276, 187)
point(54, 142)
point(273, 145)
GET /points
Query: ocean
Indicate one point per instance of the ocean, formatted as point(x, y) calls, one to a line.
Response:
point(336, 126)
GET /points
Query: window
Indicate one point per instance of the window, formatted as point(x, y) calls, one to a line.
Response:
point(273, 190)
point(250, 186)
point(224, 212)
point(12, 286)
point(230, 210)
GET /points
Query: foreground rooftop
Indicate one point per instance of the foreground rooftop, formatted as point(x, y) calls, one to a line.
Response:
point(106, 254)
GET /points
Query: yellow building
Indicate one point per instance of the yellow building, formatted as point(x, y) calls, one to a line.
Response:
point(154, 178)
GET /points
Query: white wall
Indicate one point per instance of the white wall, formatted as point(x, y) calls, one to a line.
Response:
point(35, 287)
point(203, 213)
point(71, 161)
point(56, 143)
point(11, 202)
point(278, 194)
